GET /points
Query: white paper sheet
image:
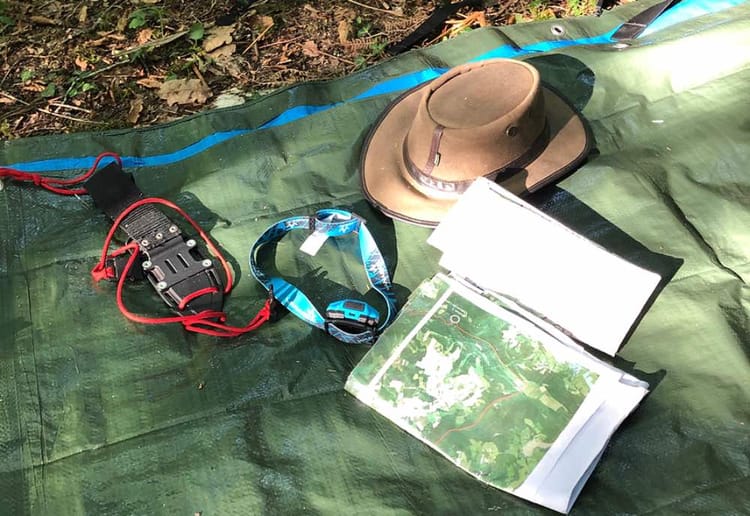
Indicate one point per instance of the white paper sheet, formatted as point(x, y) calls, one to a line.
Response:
point(506, 245)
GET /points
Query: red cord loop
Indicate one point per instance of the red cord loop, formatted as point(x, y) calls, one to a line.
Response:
point(56, 185)
point(194, 295)
point(208, 322)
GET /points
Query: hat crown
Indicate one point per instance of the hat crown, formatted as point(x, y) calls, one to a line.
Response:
point(475, 120)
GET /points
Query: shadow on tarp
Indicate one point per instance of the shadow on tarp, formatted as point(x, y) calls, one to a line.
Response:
point(315, 282)
point(383, 231)
point(207, 220)
point(578, 216)
point(575, 81)
point(566, 75)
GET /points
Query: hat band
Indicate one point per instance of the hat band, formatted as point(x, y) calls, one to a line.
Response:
point(446, 188)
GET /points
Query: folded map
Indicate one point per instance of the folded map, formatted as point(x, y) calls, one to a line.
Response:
point(515, 406)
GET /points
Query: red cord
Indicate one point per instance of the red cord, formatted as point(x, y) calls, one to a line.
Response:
point(58, 186)
point(208, 322)
point(196, 295)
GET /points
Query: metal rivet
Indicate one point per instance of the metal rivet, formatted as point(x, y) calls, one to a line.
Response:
point(557, 30)
point(159, 236)
point(144, 242)
point(511, 131)
point(173, 229)
point(161, 285)
point(147, 264)
point(190, 243)
point(207, 263)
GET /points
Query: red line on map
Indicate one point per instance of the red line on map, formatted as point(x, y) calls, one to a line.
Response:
point(479, 419)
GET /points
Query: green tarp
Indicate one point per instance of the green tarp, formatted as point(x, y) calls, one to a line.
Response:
point(101, 416)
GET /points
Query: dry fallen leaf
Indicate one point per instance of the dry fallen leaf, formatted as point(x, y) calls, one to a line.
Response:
point(136, 106)
point(313, 10)
point(218, 36)
point(223, 52)
point(149, 82)
point(266, 22)
point(345, 28)
point(98, 42)
point(122, 22)
point(144, 35)
point(184, 91)
point(33, 86)
point(81, 63)
point(83, 14)
point(6, 100)
point(233, 68)
point(224, 60)
point(43, 20)
point(310, 48)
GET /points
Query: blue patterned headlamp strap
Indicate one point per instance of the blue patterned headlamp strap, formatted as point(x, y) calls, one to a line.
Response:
point(349, 321)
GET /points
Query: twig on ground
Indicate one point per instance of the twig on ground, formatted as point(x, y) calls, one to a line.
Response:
point(253, 42)
point(347, 61)
point(200, 76)
point(68, 106)
point(15, 99)
point(281, 42)
point(67, 117)
point(94, 73)
point(152, 44)
point(375, 8)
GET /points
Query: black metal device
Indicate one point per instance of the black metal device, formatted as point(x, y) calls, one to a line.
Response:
point(184, 278)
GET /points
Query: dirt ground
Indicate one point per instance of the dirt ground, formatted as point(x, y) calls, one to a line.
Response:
point(68, 66)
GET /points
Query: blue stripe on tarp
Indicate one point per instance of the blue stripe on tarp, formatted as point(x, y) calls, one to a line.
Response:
point(401, 83)
point(50, 165)
point(293, 114)
point(396, 84)
point(685, 10)
point(544, 46)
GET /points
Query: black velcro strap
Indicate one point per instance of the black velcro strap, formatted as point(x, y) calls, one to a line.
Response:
point(432, 24)
point(635, 26)
point(112, 189)
point(186, 280)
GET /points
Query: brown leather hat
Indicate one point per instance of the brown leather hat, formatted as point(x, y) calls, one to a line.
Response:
point(492, 118)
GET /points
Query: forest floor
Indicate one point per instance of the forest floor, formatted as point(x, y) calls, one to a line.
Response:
point(84, 65)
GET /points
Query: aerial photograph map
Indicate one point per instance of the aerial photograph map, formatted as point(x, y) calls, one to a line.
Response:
point(471, 384)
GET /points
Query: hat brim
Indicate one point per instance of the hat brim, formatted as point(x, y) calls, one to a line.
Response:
point(383, 170)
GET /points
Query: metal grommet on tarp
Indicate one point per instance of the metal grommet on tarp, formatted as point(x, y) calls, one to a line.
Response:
point(557, 30)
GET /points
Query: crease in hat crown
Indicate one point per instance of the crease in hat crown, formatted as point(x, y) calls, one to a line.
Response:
point(475, 120)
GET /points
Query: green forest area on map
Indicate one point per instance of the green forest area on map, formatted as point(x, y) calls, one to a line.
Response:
point(476, 387)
